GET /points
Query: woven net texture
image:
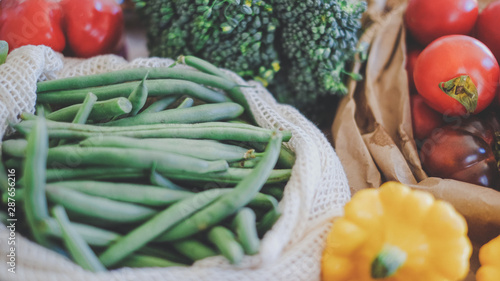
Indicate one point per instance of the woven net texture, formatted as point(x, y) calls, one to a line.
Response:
point(291, 250)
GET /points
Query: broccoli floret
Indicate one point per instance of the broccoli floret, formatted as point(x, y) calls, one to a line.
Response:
point(300, 50)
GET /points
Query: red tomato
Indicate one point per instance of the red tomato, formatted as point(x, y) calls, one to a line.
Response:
point(93, 27)
point(424, 119)
point(411, 58)
point(457, 75)
point(430, 19)
point(32, 22)
point(462, 152)
point(487, 27)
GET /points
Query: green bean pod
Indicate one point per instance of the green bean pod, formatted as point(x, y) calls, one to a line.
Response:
point(15, 147)
point(84, 111)
point(226, 243)
point(194, 249)
point(159, 105)
point(127, 192)
point(187, 102)
point(158, 180)
point(94, 236)
point(162, 221)
point(79, 250)
point(156, 88)
point(128, 75)
point(138, 260)
point(63, 172)
point(101, 111)
point(97, 207)
point(196, 114)
point(166, 162)
point(138, 96)
point(203, 149)
point(230, 176)
point(231, 202)
point(244, 225)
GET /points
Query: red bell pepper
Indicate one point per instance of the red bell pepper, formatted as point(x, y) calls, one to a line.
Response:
point(32, 22)
point(93, 27)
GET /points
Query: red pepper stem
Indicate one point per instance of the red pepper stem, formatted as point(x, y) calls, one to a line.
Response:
point(387, 262)
point(463, 90)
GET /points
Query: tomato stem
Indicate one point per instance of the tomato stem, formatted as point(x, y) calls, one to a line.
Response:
point(387, 262)
point(463, 90)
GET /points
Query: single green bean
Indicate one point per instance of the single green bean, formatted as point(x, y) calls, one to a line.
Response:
point(138, 260)
point(34, 178)
point(235, 93)
point(79, 250)
point(166, 162)
point(226, 243)
point(61, 173)
point(194, 249)
point(127, 192)
point(230, 202)
point(159, 105)
point(97, 207)
point(15, 147)
point(162, 221)
point(187, 102)
point(230, 176)
point(4, 51)
point(94, 236)
point(263, 201)
point(83, 112)
point(267, 222)
point(244, 225)
point(139, 96)
point(245, 163)
point(102, 110)
point(156, 88)
point(127, 75)
point(197, 114)
point(276, 191)
point(203, 149)
point(164, 252)
point(161, 181)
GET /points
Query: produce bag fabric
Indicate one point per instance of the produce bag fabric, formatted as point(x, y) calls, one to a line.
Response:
point(291, 250)
point(372, 133)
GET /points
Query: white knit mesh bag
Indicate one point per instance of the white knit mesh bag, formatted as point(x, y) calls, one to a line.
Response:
point(291, 250)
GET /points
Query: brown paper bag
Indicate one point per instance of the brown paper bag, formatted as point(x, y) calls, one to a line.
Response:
point(372, 133)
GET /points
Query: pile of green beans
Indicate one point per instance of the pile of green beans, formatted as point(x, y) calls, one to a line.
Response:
point(148, 167)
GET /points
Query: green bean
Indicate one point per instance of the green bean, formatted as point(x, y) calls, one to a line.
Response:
point(164, 252)
point(79, 250)
point(159, 105)
point(102, 110)
point(286, 159)
point(94, 236)
point(274, 190)
point(60, 173)
point(197, 114)
point(209, 130)
point(97, 207)
point(34, 177)
point(162, 221)
point(139, 96)
point(132, 158)
point(194, 249)
point(137, 260)
point(203, 149)
point(187, 102)
point(4, 178)
point(159, 180)
point(15, 147)
point(230, 176)
point(83, 112)
point(245, 163)
point(127, 75)
point(4, 51)
point(226, 243)
point(244, 226)
point(235, 93)
point(268, 221)
point(156, 88)
point(126, 192)
point(230, 202)
point(263, 201)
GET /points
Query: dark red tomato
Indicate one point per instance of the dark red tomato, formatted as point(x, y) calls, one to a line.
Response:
point(457, 75)
point(423, 118)
point(428, 20)
point(460, 152)
point(411, 58)
point(487, 27)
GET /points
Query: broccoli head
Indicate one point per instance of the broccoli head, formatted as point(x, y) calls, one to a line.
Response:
point(300, 50)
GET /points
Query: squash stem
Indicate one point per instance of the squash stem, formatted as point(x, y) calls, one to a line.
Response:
point(387, 262)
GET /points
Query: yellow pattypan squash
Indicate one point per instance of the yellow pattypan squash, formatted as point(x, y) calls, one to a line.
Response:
point(394, 233)
point(489, 257)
